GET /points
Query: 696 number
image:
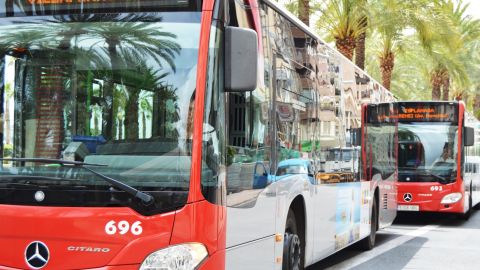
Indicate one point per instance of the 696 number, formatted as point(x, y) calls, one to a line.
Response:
point(123, 227)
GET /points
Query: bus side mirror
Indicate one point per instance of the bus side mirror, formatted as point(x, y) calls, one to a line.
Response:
point(468, 136)
point(240, 59)
point(356, 137)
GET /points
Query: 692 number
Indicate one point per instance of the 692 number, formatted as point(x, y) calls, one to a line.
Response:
point(123, 227)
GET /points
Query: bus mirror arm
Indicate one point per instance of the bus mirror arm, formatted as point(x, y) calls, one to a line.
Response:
point(468, 136)
point(241, 52)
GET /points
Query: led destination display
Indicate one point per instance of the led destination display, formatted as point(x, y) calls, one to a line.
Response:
point(413, 112)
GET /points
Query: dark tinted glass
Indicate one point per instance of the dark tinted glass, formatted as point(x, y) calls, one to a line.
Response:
point(19, 8)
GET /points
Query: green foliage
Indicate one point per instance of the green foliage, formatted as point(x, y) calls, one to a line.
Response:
point(341, 19)
point(424, 35)
point(7, 150)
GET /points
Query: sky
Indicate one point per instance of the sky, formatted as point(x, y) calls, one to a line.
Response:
point(473, 8)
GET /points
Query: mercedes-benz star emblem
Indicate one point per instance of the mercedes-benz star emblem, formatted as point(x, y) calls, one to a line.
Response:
point(39, 196)
point(407, 197)
point(37, 255)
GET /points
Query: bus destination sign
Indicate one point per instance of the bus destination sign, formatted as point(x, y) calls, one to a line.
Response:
point(427, 112)
point(413, 112)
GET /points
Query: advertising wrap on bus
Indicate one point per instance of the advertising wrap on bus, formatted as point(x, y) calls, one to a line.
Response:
point(183, 135)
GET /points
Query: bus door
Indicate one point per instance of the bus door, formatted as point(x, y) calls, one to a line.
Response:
point(251, 199)
point(379, 158)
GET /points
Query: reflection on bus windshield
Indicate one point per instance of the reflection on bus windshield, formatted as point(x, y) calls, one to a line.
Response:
point(427, 151)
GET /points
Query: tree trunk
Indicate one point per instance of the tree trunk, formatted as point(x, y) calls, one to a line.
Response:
point(360, 46)
point(109, 88)
point(476, 103)
point(144, 125)
point(446, 84)
point(131, 116)
point(304, 11)
point(120, 128)
point(387, 62)
point(7, 138)
point(436, 81)
point(95, 124)
point(346, 46)
point(9, 8)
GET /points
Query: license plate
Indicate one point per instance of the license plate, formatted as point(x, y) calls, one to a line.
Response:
point(408, 208)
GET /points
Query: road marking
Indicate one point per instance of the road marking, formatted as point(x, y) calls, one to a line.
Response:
point(385, 247)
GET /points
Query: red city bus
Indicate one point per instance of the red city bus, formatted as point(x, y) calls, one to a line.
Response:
point(181, 135)
point(438, 158)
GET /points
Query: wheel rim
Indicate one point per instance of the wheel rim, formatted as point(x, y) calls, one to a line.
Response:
point(295, 253)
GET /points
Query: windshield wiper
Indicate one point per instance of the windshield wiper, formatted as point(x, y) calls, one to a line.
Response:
point(441, 179)
point(147, 199)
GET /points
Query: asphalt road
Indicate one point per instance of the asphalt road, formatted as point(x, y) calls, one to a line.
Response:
point(417, 241)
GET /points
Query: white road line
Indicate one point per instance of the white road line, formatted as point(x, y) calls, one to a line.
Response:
point(378, 250)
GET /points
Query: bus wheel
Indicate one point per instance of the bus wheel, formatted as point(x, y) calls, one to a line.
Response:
point(292, 245)
point(369, 242)
point(476, 206)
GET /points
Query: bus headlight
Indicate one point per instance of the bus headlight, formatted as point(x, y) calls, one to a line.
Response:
point(451, 198)
point(180, 257)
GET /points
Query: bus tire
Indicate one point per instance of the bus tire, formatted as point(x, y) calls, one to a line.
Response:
point(293, 253)
point(476, 206)
point(369, 242)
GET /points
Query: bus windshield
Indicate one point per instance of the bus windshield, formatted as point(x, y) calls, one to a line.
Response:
point(114, 89)
point(427, 152)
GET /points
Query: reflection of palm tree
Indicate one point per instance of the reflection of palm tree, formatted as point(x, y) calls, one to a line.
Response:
point(137, 40)
point(24, 39)
point(120, 97)
point(146, 109)
point(139, 77)
point(74, 25)
point(130, 40)
point(8, 97)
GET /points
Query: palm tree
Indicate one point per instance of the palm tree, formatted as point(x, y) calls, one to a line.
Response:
point(360, 42)
point(389, 23)
point(449, 54)
point(304, 11)
point(393, 20)
point(342, 19)
point(472, 60)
